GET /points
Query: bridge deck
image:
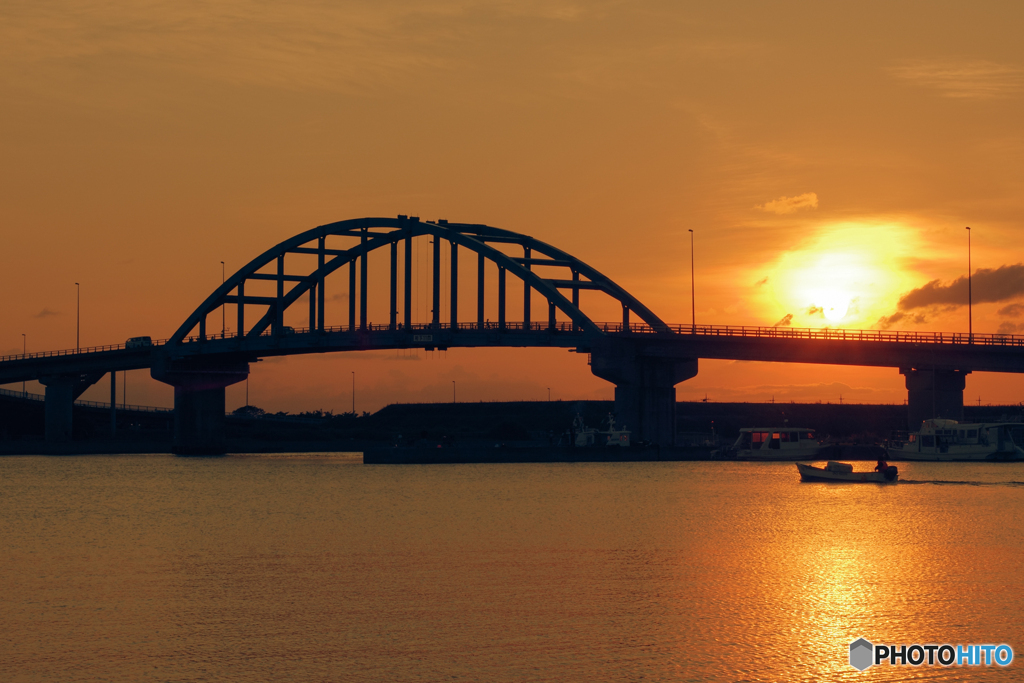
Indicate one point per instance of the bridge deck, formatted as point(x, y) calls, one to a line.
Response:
point(834, 346)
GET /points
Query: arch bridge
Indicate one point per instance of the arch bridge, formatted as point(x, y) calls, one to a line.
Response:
point(429, 265)
point(293, 277)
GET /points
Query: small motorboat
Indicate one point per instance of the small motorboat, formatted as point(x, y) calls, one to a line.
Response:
point(843, 472)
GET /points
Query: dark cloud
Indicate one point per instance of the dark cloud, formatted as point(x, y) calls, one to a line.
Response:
point(988, 286)
point(1010, 328)
point(887, 321)
point(761, 282)
point(816, 310)
point(785, 322)
point(45, 313)
point(1012, 311)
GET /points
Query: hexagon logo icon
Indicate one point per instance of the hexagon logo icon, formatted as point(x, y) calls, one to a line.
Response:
point(861, 654)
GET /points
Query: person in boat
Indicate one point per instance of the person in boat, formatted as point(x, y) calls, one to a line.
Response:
point(882, 466)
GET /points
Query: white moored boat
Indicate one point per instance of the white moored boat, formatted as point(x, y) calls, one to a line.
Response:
point(843, 472)
point(776, 443)
point(951, 440)
point(583, 436)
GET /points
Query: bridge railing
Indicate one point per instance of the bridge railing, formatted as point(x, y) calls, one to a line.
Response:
point(820, 334)
point(88, 404)
point(842, 334)
point(73, 352)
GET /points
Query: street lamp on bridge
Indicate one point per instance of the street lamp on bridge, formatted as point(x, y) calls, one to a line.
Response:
point(78, 317)
point(223, 327)
point(693, 299)
point(24, 352)
point(970, 322)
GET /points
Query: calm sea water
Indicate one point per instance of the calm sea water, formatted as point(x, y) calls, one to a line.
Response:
point(318, 568)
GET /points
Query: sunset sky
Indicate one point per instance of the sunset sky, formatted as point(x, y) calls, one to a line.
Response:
point(827, 157)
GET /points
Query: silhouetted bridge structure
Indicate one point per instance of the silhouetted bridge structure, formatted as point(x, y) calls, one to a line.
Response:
point(641, 354)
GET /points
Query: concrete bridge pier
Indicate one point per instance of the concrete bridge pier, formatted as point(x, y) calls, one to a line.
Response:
point(199, 403)
point(199, 421)
point(645, 375)
point(61, 392)
point(57, 410)
point(934, 393)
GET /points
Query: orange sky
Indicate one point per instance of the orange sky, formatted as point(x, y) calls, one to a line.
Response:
point(825, 155)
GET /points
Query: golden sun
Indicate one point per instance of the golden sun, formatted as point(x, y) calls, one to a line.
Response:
point(848, 275)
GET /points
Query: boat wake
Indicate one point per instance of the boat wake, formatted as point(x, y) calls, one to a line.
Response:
point(940, 482)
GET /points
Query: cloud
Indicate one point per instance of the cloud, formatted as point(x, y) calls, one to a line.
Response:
point(784, 205)
point(988, 286)
point(45, 313)
point(352, 47)
point(1010, 328)
point(763, 281)
point(785, 322)
point(1012, 311)
point(965, 79)
point(885, 322)
point(816, 310)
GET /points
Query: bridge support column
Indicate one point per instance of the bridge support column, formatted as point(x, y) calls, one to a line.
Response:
point(645, 377)
point(199, 401)
point(199, 421)
point(934, 393)
point(59, 400)
point(61, 392)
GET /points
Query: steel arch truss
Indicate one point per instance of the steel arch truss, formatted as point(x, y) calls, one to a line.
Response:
point(533, 268)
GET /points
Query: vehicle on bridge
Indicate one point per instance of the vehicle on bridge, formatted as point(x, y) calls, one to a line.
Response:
point(776, 443)
point(138, 342)
point(949, 440)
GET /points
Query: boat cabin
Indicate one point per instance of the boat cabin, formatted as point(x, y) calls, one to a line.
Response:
point(774, 438)
point(940, 436)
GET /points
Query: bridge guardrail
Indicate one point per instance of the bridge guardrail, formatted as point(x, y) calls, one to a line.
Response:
point(822, 334)
point(72, 352)
point(843, 334)
point(89, 404)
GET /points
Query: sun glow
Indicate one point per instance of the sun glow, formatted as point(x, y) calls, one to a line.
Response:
point(849, 275)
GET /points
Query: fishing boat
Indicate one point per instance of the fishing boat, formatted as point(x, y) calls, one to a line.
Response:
point(948, 440)
point(776, 443)
point(582, 436)
point(843, 472)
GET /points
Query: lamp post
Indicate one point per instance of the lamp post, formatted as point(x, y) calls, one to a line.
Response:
point(353, 393)
point(453, 391)
point(78, 318)
point(223, 328)
point(24, 352)
point(549, 394)
point(970, 321)
point(693, 299)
